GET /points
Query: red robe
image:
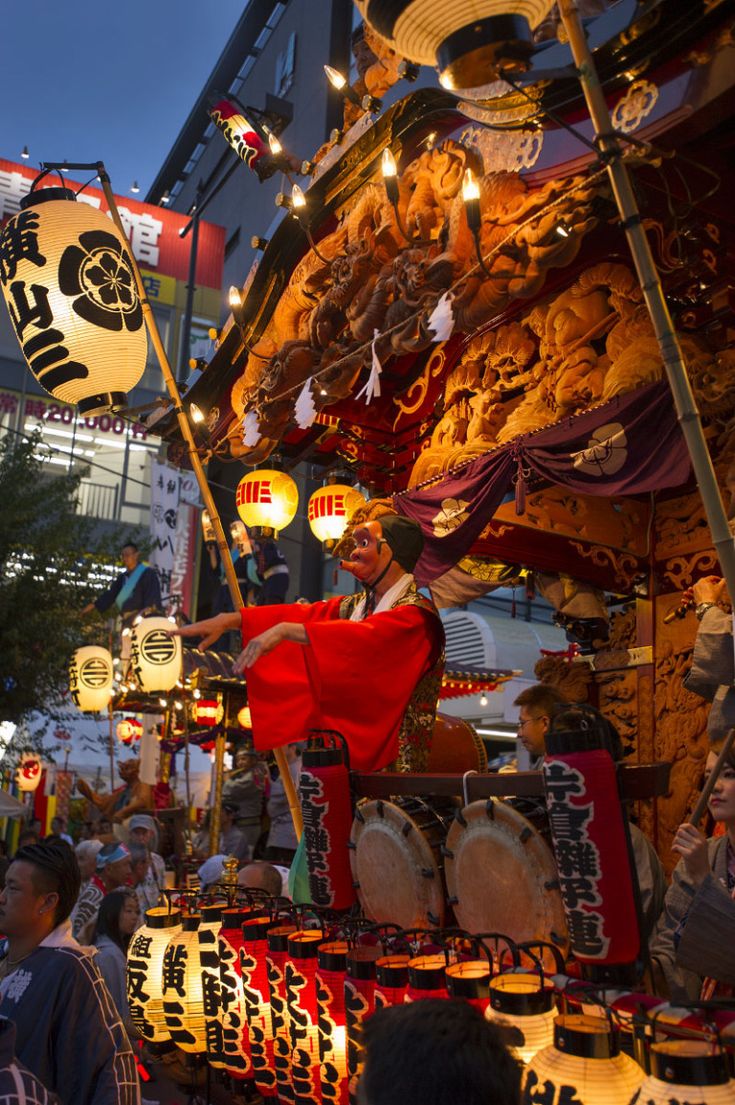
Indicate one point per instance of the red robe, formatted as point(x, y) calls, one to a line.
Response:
point(355, 677)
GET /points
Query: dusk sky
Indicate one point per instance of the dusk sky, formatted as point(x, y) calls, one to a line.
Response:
point(90, 81)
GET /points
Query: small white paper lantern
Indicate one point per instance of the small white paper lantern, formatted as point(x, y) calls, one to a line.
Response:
point(523, 1001)
point(90, 678)
point(144, 973)
point(69, 284)
point(155, 656)
point(583, 1064)
point(690, 1071)
point(28, 774)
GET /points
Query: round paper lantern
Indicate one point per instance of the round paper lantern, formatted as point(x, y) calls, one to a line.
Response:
point(583, 1064)
point(155, 656)
point(330, 509)
point(468, 40)
point(208, 712)
point(245, 718)
point(522, 1000)
point(689, 1071)
point(145, 970)
point(90, 678)
point(69, 283)
point(28, 774)
point(129, 729)
point(267, 501)
point(183, 997)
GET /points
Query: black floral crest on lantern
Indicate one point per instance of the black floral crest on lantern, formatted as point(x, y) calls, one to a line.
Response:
point(100, 272)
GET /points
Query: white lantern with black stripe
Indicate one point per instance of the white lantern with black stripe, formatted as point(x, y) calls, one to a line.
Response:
point(155, 656)
point(90, 678)
point(469, 40)
point(69, 285)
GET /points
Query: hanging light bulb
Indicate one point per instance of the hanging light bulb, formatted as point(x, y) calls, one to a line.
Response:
point(24, 153)
point(527, 1003)
point(584, 1061)
point(298, 199)
point(165, 197)
point(483, 699)
point(471, 197)
point(135, 187)
point(275, 146)
point(338, 81)
point(390, 175)
point(196, 414)
point(144, 972)
point(234, 298)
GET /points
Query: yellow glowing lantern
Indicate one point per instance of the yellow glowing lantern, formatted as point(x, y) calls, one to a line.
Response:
point(468, 40)
point(584, 1063)
point(690, 1071)
point(155, 656)
point(266, 501)
point(90, 678)
point(524, 1001)
point(144, 973)
point(330, 509)
point(28, 774)
point(183, 996)
point(69, 284)
point(245, 718)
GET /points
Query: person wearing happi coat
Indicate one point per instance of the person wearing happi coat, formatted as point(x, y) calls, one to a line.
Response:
point(368, 665)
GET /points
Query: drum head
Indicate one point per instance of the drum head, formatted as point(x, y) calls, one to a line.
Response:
point(395, 863)
point(501, 876)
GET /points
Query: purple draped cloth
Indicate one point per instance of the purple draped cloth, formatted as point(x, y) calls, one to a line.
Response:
point(629, 446)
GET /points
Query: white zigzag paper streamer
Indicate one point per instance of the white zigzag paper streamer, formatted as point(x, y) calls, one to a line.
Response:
point(305, 410)
point(441, 321)
point(372, 387)
point(251, 429)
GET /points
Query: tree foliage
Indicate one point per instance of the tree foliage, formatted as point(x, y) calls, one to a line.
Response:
point(48, 565)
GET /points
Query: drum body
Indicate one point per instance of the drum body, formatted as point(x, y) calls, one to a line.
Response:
point(501, 875)
point(396, 857)
point(455, 747)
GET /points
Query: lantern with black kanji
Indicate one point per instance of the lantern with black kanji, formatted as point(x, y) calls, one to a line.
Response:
point(267, 501)
point(257, 996)
point(28, 773)
point(330, 509)
point(208, 934)
point(330, 988)
point(326, 803)
point(303, 1009)
point(233, 1028)
point(183, 997)
point(145, 970)
point(359, 1005)
point(689, 1071)
point(90, 678)
point(584, 1062)
point(276, 957)
point(526, 1002)
point(68, 280)
point(155, 656)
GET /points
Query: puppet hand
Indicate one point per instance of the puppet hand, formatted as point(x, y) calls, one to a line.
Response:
point(259, 646)
point(691, 845)
point(211, 629)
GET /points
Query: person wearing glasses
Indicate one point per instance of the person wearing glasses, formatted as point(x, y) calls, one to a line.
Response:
point(536, 709)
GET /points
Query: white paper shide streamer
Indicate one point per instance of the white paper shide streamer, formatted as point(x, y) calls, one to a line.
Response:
point(305, 410)
point(441, 321)
point(372, 387)
point(251, 434)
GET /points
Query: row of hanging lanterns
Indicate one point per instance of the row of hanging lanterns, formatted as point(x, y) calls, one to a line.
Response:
point(282, 1007)
point(267, 501)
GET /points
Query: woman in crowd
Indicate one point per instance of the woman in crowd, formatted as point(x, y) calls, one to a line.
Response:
point(693, 950)
point(116, 922)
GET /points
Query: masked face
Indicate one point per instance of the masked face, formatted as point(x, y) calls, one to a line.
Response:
point(371, 554)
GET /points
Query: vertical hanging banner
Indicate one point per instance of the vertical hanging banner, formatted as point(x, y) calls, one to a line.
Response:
point(165, 486)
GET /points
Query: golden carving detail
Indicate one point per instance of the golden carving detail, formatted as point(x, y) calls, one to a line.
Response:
point(637, 103)
point(681, 571)
point(623, 565)
point(506, 151)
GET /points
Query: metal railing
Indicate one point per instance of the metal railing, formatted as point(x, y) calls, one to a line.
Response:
point(97, 500)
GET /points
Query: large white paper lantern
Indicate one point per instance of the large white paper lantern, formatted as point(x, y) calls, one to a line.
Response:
point(330, 509)
point(525, 1002)
point(584, 1065)
point(155, 656)
point(90, 678)
point(144, 973)
point(69, 285)
point(467, 39)
point(267, 501)
point(690, 1071)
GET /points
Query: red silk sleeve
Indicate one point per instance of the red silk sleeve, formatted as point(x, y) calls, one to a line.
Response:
point(356, 677)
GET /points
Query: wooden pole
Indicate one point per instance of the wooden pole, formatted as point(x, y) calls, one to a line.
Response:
point(208, 499)
point(650, 281)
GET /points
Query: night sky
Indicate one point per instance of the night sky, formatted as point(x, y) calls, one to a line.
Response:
point(90, 81)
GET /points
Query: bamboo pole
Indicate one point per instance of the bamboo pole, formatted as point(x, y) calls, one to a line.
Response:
point(207, 497)
point(650, 281)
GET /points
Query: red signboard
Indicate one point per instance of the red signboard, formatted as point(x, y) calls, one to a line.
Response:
point(153, 231)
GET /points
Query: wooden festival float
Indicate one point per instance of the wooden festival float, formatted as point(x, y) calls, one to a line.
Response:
point(483, 361)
